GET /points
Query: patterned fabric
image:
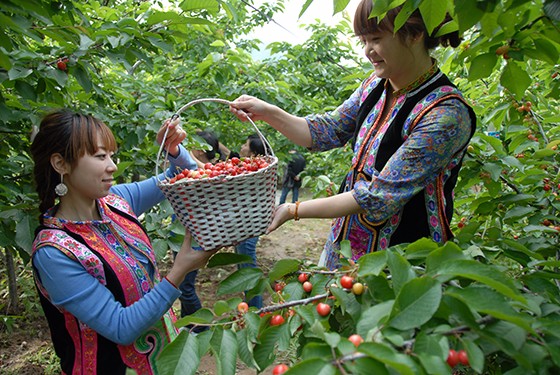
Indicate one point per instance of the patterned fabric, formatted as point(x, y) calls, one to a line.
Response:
point(104, 248)
point(404, 165)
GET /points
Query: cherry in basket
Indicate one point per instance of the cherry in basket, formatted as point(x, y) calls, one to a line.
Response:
point(231, 167)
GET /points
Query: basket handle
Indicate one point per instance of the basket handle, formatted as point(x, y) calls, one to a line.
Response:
point(196, 101)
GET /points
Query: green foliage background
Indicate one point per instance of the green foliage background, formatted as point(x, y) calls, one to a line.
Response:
point(133, 63)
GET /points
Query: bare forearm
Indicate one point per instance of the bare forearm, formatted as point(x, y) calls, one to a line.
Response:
point(323, 208)
point(336, 206)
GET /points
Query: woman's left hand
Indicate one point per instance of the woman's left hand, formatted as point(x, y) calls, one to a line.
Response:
point(175, 135)
point(281, 214)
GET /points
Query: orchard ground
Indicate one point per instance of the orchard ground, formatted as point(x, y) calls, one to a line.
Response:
point(27, 348)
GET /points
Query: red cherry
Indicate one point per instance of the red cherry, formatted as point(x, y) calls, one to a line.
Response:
point(61, 65)
point(278, 287)
point(303, 277)
point(307, 286)
point(323, 309)
point(276, 320)
point(452, 358)
point(356, 339)
point(346, 282)
point(463, 357)
point(243, 307)
point(280, 369)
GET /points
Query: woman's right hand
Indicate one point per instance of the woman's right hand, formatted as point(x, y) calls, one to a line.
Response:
point(175, 135)
point(249, 106)
point(187, 260)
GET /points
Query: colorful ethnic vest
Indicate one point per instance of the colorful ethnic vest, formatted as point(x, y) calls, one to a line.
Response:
point(103, 249)
point(429, 212)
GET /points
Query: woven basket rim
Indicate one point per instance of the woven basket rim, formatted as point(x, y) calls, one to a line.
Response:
point(219, 178)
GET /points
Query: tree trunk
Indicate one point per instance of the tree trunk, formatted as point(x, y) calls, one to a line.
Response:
point(13, 301)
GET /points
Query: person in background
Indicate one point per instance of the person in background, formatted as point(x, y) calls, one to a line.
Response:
point(213, 155)
point(292, 178)
point(107, 306)
point(409, 128)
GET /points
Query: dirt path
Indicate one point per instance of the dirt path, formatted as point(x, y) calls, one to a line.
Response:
point(27, 350)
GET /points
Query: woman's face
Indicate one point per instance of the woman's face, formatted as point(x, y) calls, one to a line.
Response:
point(391, 58)
point(92, 175)
point(246, 150)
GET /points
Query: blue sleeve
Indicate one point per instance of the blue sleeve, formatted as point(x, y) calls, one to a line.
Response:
point(145, 194)
point(71, 287)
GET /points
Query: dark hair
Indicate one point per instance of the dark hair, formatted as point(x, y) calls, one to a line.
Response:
point(212, 140)
point(71, 135)
point(414, 26)
point(257, 146)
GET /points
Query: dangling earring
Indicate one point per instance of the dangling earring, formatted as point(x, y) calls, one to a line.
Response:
point(61, 189)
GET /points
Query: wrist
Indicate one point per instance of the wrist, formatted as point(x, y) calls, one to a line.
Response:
point(294, 210)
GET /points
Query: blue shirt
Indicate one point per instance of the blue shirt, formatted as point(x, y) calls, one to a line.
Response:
point(71, 287)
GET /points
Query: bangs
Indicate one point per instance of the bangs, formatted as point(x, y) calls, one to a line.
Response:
point(364, 24)
point(87, 134)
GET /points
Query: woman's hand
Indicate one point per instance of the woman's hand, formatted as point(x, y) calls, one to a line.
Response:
point(175, 135)
point(187, 260)
point(249, 106)
point(282, 213)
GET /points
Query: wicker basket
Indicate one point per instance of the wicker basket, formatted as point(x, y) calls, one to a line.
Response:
point(224, 210)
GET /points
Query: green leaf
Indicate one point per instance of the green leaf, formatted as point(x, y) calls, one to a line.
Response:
point(203, 316)
point(486, 274)
point(515, 79)
point(402, 363)
point(433, 364)
point(433, 13)
point(18, 72)
point(264, 350)
point(25, 232)
point(345, 249)
point(226, 352)
point(482, 66)
point(420, 249)
point(313, 366)
point(221, 307)
point(282, 268)
point(401, 271)
point(180, 356)
point(487, 301)
point(339, 5)
point(546, 50)
point(226, 258)
point(372, 263)
point(82, 77)
point(373, 317)
point(239, 281)
point(245, 348)
point(211, 6)
point(475, 354)
point(416, 303)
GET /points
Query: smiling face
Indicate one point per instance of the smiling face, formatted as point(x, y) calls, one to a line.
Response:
point(91, 176)
point(391, 57)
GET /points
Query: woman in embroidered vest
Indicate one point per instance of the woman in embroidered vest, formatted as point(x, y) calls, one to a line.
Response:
point(409, 127)
point(107, 307)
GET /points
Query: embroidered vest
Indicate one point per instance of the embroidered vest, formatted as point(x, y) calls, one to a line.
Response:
point(429, 212)
point(103, 249)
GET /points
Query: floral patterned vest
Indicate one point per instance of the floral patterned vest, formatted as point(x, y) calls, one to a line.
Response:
point(103, 249)
point(428, 213)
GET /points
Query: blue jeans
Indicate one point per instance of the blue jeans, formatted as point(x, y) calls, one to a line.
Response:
point(249, 247)
point(286, 190)
point(190, 303)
